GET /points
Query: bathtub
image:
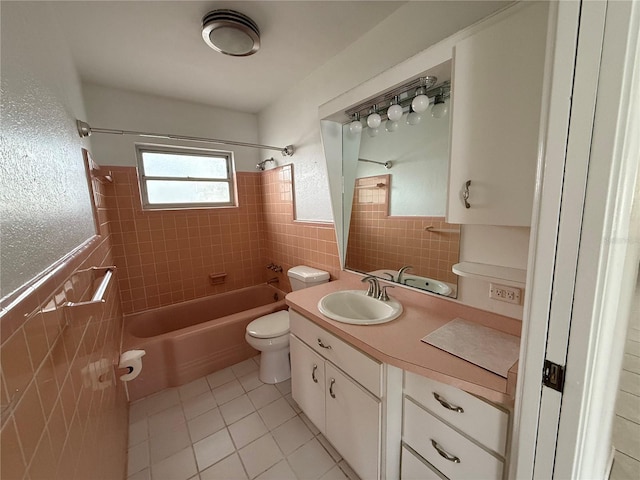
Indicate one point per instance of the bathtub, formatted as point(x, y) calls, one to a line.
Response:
point(187, 340)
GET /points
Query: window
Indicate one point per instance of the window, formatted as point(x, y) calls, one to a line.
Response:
point(184, 177)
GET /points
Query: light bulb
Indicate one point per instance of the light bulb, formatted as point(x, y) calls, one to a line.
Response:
point(374, 120)
point(391, 126)
point(439, 109)
point(394, 112)
point(356, 125)
point(420, 103)
point(373, 132)
point(414, 118)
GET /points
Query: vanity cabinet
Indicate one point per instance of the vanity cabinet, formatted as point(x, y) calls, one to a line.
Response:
point(451, 433)
point(495, 115)
point(328, 378)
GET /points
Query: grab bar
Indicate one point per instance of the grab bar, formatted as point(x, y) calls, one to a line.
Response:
point(98, 295)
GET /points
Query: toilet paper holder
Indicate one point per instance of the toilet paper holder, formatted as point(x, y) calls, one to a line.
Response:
point(131, 361)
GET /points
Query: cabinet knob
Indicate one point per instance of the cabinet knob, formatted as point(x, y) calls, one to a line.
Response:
point(465, 194)
point(446, 404)
point(443, 454)
point(333, 395)
point(313, 373)
point(323, 345)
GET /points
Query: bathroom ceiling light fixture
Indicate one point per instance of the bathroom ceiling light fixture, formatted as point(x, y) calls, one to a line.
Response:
point(230, 32)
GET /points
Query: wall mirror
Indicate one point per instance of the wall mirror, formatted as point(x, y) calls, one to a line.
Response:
point(395, 187)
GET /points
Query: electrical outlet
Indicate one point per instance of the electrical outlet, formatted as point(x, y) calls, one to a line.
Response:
point(504, 293)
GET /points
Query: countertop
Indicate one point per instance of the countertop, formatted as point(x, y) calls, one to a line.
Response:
point(398, 342)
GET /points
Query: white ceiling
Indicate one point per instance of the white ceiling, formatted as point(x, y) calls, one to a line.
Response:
point(156, 47)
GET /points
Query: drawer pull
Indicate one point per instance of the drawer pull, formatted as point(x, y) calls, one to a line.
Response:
point(446, 404)
point(333, 395)
point(443, 454)
point(328, 347)
point(313, 373)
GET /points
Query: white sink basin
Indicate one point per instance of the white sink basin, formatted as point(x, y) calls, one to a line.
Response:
point(353, 306)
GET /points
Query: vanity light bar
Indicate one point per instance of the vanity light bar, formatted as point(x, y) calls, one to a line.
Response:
point(405, 94)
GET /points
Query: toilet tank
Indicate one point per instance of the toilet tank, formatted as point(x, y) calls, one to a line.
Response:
point(303, 277)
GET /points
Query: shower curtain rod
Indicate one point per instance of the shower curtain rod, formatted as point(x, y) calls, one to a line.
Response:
point(84, 130)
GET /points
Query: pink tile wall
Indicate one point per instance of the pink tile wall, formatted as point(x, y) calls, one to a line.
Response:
point(55, 425)
point(166, 256)
point(288, 242)
point(377, 240)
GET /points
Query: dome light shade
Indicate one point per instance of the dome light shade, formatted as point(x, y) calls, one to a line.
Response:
point(231, 33)
point(440, 108)
point(394, 112)
point(356, 125)
point(420, 103)
point(391, 126)
point(374, 120)
point(414, 118)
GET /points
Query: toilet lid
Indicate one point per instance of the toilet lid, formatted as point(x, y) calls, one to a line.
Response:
point(269, 326)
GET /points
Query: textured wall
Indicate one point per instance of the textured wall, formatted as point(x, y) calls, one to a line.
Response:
point(44, 198)
point(56, 422)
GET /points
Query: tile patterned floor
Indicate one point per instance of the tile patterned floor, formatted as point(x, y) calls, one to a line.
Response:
point(626, 425)
point(228, 426)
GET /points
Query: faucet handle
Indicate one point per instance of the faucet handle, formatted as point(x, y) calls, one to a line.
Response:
point(383, 293)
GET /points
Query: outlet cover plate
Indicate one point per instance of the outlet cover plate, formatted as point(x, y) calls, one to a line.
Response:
point(504, 293)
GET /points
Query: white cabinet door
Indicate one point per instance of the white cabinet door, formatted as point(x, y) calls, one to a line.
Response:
point(496, 103)
point(308, 381)
point(353, 423)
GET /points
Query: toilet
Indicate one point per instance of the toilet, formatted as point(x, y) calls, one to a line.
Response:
point(270, 333)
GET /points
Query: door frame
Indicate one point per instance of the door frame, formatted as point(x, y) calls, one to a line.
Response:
point(583, 223)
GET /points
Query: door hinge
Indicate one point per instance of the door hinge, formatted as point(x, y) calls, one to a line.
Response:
point(553, 375)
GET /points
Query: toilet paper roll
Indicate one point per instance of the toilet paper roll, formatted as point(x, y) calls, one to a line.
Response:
point(132, 361)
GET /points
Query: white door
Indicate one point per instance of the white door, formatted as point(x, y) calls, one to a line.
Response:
point(583, 259)
point(353, 423)
point(307, 381)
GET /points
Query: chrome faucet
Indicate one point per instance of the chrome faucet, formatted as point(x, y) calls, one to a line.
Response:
point(374, 286)
point(401, 272)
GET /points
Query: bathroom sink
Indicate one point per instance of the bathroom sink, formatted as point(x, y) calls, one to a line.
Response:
point(355, 307)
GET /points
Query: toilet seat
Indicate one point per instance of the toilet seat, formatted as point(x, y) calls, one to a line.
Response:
point(269, 326)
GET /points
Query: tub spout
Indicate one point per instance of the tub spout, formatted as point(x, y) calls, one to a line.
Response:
point(273, 280)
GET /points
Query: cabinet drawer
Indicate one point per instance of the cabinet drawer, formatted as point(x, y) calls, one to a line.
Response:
point(480, 420)
point(434, 440)
point(364, 369)
point(414, 468)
